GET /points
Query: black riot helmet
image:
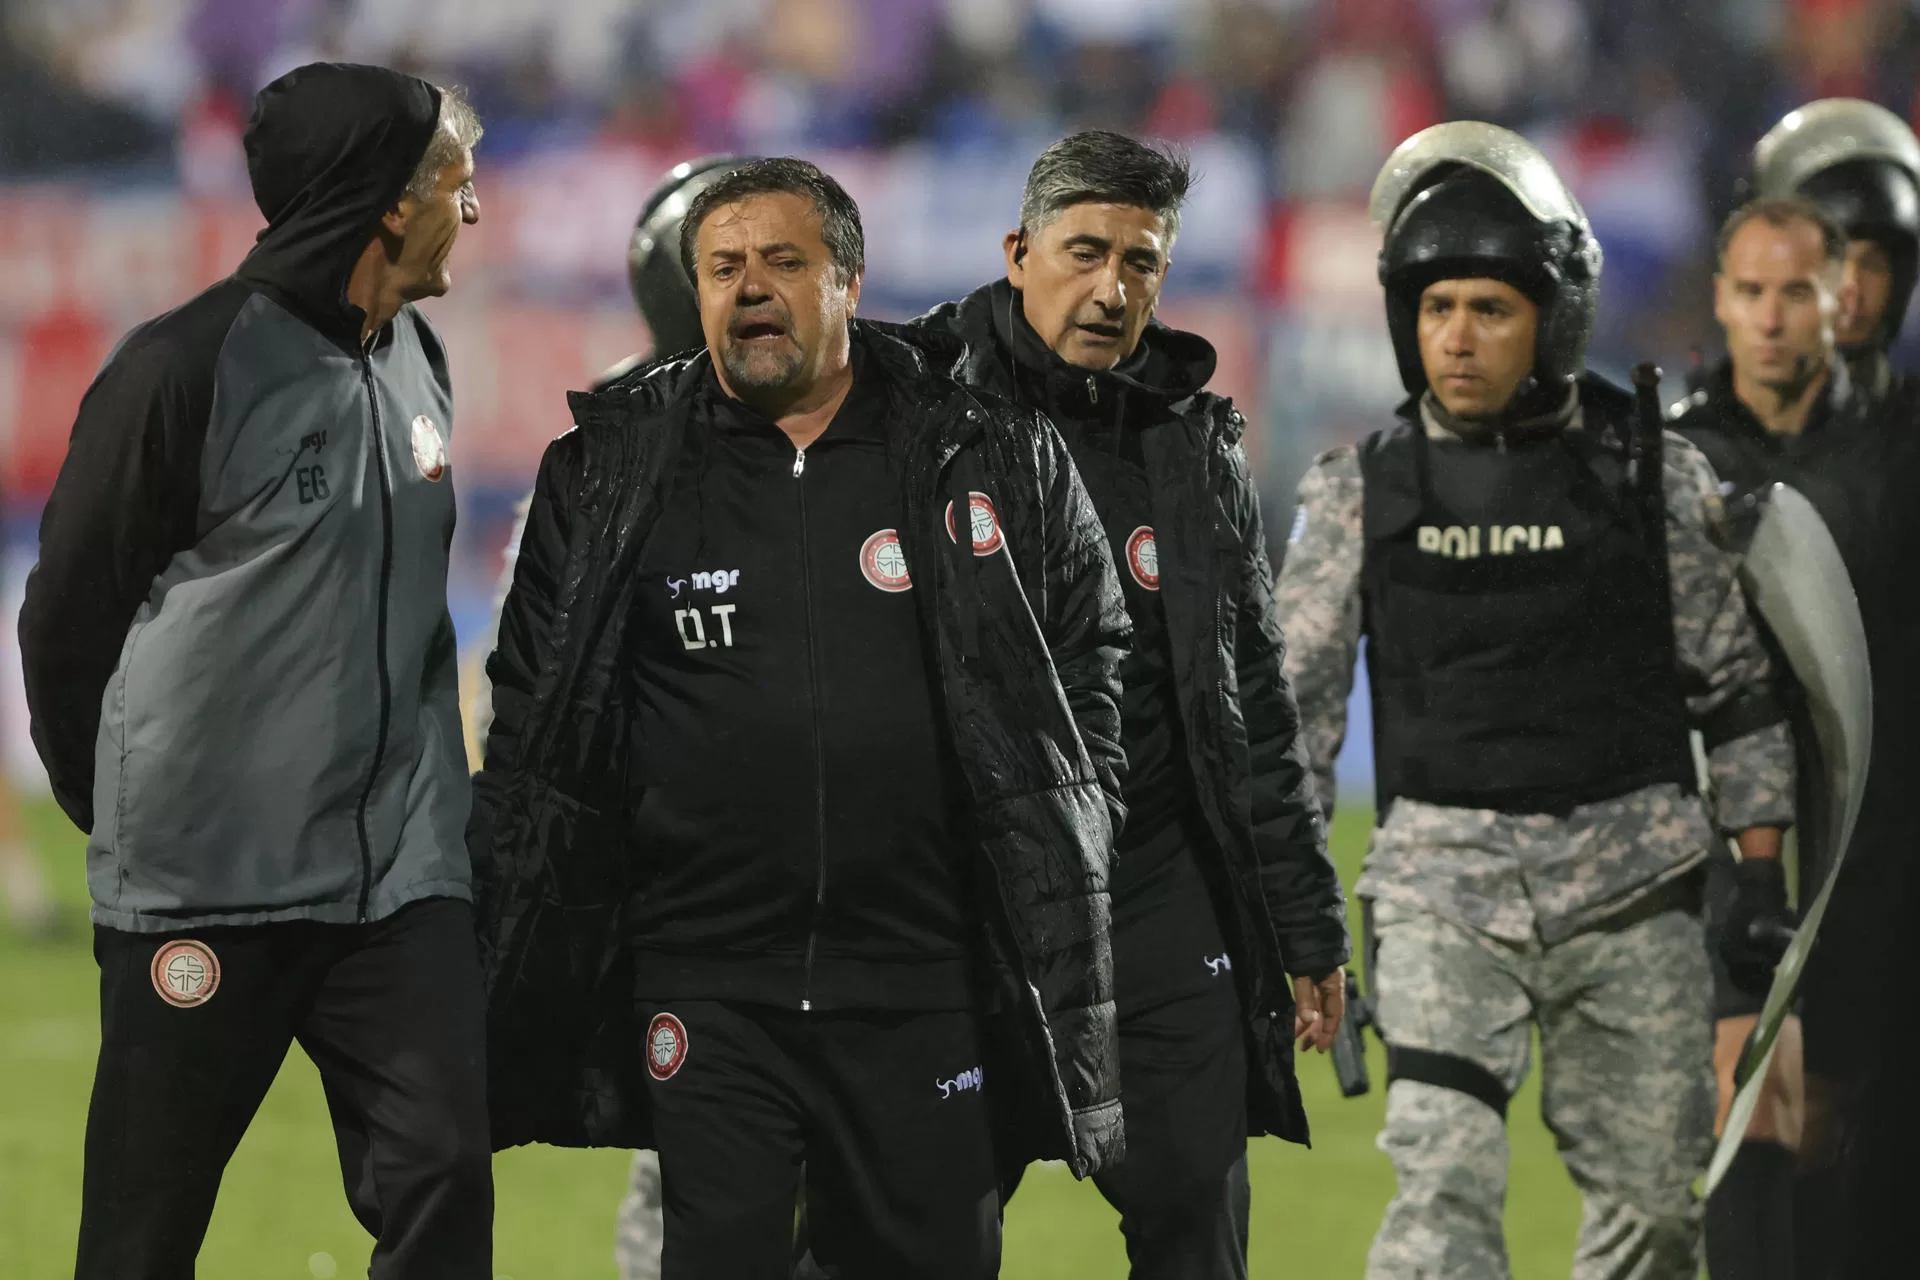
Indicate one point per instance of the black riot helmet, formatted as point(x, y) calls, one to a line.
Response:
point(1467, 199)
point(1861, 164)
point(660, 285)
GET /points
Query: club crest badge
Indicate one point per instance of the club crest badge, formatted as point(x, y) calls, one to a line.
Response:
point(429, 448)
point(884, 561)
point(1143, 557)
point(666, 1046)
point(185, 973)
point(985, 522)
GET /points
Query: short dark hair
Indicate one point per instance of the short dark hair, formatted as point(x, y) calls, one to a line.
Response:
point(783, 175)
point(1098, 165)
point(1782, 211)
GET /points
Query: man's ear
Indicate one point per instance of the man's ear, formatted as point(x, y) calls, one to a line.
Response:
point(853, 292)
point(1015, 246)
point(394, 220)
point(1720, 299)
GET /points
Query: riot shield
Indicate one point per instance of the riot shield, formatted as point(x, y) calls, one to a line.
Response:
point(1796, 580)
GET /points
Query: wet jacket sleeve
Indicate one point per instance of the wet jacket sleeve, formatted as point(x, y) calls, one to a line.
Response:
point(526, 618)
point(1297, 875)
point(1088, 630)
point(125, 502)
point(1318, 602)
point(1722, 658)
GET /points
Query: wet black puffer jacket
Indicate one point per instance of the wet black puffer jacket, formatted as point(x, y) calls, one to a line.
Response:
point(1027, 648)
point(1284, 912)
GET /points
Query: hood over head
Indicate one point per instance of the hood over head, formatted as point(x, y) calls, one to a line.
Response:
point(330, 147)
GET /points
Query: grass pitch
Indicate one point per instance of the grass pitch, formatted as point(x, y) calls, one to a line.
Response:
point(282, 1216)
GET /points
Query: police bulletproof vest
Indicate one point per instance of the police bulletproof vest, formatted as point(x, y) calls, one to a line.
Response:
point(1519, 625)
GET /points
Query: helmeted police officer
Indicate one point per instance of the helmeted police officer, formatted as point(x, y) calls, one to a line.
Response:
point(1546, 618)
point(1860, 163)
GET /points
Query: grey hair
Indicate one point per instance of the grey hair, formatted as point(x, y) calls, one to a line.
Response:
point(458, 130)
point(1099, 166)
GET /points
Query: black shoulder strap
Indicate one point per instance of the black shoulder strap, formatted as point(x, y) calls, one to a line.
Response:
point(1649, 449)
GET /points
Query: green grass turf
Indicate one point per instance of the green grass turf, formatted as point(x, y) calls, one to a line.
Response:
point(281, 1208)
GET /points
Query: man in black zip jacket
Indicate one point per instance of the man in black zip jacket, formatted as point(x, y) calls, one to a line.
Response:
point(1222, 884)
point(1783, 406)
point(793, 832)
point(241, 672)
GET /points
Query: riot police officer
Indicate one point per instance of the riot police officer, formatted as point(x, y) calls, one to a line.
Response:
point(1546, 618)
point(1860, 164)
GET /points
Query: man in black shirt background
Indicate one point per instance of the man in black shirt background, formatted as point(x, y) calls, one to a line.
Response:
point(793, 833)
point(1784, 406)
point(1222, 884)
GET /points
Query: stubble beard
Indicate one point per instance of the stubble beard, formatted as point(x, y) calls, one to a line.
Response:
point(762, 370)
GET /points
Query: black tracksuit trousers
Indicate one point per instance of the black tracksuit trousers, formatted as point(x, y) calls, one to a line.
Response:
point(1182, 1192)
point(887, 1111)
point(390, 1012)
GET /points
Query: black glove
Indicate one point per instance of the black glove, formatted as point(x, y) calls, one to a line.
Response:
point(1759, 924)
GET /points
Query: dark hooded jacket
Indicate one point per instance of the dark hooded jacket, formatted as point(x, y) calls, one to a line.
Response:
point(1278, 895)
point(1025, 648)
point(238, 656)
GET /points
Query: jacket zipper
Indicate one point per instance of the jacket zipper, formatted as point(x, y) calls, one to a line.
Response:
point(819, 748)
point(380, 637)
point(1093, 390)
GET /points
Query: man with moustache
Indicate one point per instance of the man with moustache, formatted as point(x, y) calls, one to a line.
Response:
point(799, 790)
point(1546, 617)
point(1860, 164)
point(1223, 888)
point(243, 682)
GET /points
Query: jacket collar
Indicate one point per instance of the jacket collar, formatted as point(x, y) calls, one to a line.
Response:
point(1838, 402)
point(1004, 354)
point(908, 376)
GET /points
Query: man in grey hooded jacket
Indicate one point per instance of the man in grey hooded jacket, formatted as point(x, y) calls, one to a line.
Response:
point(242, 678)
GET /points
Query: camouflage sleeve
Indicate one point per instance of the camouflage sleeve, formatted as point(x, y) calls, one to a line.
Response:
point(1753, 779)
point(1719, 648)
point(1318, 599)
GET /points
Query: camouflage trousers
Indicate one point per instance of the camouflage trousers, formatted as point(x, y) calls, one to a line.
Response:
point(1626, 1047)
point(636, 1249)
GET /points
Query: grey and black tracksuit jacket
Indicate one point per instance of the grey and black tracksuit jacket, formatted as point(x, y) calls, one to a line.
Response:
point(238, 657)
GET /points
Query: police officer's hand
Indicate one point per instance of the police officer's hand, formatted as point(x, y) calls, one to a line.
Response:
point(1759, 924)
point(1319, 1005)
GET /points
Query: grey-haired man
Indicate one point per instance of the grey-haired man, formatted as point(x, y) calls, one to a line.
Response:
point(243, 682)
point(1229, 924)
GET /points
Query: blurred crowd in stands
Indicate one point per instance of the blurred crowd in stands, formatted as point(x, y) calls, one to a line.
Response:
point(1314, 85)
